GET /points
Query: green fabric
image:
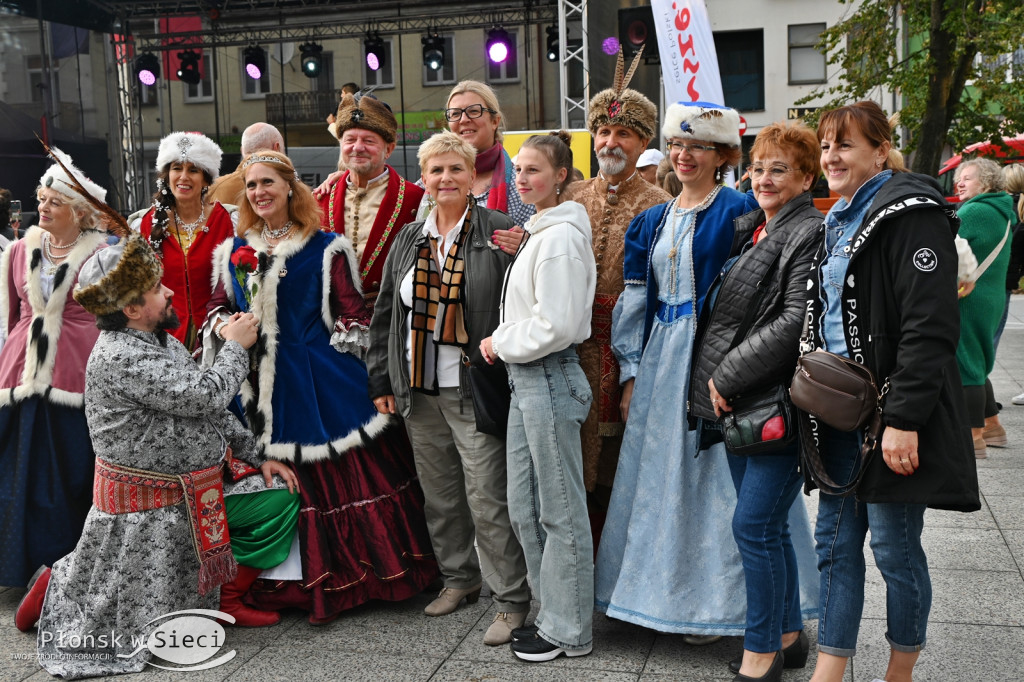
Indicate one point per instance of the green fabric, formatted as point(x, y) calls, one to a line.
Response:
point(983, 223)
point(262, 526)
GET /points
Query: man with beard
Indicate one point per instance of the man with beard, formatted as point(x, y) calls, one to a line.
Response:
point(370, 202)
point(622, 122)
point(170, 520)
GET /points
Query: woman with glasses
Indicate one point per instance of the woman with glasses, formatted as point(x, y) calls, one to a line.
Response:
point(666, 559)
point(739, 355)
point(473, 114)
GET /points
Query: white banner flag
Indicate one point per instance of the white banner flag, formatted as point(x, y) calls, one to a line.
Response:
point(689, 64)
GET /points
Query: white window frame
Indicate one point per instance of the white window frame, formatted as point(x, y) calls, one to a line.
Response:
point(503, 66)
point(253, 89)
point(371, 77)
point(803, 46)
point(204, 88)
point(431, 77)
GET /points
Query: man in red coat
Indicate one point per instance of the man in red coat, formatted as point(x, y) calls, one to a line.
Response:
point(370, 202)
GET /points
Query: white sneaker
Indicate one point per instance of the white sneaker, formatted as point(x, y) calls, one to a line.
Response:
point(1018, 399)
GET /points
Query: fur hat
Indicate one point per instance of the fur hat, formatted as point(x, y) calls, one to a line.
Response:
point(117, 275)
point(195, 148)
point(365, 112)
point(57, 179)
point(702, 121)
point(620, 106)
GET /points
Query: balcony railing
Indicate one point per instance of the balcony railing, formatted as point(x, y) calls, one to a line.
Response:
point(300, 107)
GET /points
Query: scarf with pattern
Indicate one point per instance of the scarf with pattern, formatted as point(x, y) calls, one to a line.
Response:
point(496, 159)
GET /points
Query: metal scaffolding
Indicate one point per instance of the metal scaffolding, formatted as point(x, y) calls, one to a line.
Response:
point(573, 53)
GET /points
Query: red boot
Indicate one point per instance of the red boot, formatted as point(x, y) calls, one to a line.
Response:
point(231, 601)
point(31, 605)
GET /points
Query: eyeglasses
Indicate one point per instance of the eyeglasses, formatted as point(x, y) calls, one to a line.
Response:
point(472, 111)
point(776, 173)
point(695, 149)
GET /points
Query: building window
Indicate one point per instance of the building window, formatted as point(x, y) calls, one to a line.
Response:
point(251, 88)
point(741, 66)
point(147, 94)
point(446, 74)
point(38, 79)
point(508, 70)
point(806, 62)
point(384, 77)
point(203, 90)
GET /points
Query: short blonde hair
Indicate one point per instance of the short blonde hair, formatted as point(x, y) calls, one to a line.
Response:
point(990, 175)
point(484, 92)
point(1013, 181)
point(442, 143)
point(84, 215)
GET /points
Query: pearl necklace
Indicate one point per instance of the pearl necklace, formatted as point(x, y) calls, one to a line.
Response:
point(49, 248)
point(266, 233)
point(688, 217)
point(190, 228)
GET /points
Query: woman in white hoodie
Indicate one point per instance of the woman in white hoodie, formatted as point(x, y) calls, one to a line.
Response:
point(545, 312)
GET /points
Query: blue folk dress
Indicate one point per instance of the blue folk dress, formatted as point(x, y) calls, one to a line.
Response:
point(362, 533)
point(667, 558)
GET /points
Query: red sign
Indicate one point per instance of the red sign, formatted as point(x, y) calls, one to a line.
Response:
point(743, 125)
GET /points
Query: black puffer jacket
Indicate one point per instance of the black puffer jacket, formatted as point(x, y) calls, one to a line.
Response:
point(767, 355)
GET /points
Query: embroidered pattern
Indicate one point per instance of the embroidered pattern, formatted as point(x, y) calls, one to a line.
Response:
point(387, 230)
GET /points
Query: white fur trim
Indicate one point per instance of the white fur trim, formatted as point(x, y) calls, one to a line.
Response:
point(61, 182)
point(55, 396)
point(221, 271)
point(340, 244)
point(36, 376)
point(316, 453)
point(692, 120)
point(192, 147)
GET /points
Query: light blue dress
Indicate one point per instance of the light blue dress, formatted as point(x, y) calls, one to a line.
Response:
point(667, 558)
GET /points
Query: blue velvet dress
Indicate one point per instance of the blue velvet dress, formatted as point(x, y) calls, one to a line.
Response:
point(667, 558)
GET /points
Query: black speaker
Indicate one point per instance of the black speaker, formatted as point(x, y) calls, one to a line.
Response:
point(636, 28)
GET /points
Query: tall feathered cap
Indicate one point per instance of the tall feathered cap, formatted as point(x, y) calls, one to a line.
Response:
point(365, 112)
point(702, 121)
point(620, 106)
point(194, 148)
point(117, 275)
point(58, 177)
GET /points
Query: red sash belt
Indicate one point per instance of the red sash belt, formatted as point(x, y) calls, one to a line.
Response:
point(123, 490)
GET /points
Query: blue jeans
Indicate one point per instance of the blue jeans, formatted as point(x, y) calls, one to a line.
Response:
point(766, 486)
point(843, 523)
point(546, 498)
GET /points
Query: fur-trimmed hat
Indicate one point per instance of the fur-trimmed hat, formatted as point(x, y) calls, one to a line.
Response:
point(702, 121)
point(194, 148)
point(117, 275)
point(620, 106)
point(365, 112)
point(57, 179)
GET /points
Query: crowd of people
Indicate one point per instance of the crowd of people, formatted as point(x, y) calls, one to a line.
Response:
point(312, 399)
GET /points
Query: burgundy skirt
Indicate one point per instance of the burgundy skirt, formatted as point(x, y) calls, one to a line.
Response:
point(362, 532)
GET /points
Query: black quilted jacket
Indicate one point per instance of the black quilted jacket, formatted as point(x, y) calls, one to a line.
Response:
point(767, 355)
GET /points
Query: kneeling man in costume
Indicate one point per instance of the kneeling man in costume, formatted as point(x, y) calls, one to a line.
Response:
point(176, 510)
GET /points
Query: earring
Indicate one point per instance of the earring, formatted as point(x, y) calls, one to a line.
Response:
point(204, 191)
point(718, 175)
point(558, 190)
point(289, 194)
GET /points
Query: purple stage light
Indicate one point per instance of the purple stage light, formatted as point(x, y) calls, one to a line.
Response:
point(610, 45)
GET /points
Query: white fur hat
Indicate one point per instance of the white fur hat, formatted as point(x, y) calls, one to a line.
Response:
point(702, 121)
point(56, 179)
point(195, 148)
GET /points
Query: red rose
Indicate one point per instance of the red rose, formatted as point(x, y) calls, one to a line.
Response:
point(245, 259)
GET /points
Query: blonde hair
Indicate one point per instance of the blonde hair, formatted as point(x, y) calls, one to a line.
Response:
point(484, 92)
point(1013, 180)
point(990, 176)
point(442, 143)
point(83, 215)
point(303, 210)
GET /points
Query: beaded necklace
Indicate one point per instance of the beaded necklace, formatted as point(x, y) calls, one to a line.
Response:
point(54, 259)
point(687, 219)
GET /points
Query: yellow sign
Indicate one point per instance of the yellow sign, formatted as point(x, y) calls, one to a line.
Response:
point(581, 145)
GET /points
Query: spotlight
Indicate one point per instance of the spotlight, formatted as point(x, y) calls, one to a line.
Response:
point(433, 51)
point(498, 41)
point(311, 58)
point(374, 47)
point(147, 68)
point(610, 46)
point(255, 61)
point(552, 43)
point(188, 70)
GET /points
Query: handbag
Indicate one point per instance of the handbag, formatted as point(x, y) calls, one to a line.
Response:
point(837, 390)
point(762, 422)
point(488, 385)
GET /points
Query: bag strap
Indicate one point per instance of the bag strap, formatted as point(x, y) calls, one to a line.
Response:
point(980, 270)
point(810, 457)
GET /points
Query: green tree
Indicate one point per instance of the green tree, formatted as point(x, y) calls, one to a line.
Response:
point(950, 62)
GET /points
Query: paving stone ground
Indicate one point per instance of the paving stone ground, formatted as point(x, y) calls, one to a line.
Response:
point(976, 631)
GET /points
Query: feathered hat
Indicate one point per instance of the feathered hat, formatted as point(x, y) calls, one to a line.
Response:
point(58, 177)
point(117, 275)
point(620, 106)
point(194, 148)
point(702, 121)
point(365, 112)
